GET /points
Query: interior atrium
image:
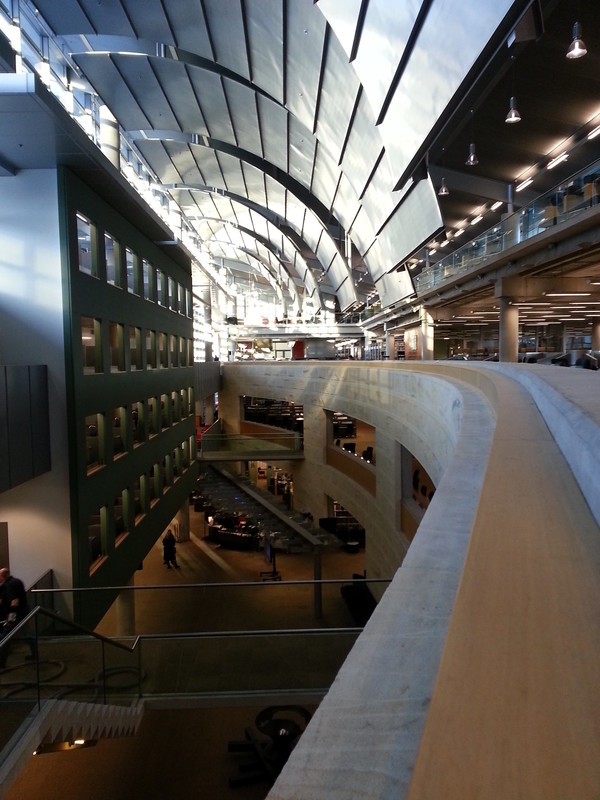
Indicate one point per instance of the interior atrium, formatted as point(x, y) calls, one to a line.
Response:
point(341, 257)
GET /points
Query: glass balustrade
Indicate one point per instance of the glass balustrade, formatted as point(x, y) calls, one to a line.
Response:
point(571, 198)
point(187, 641)
point(238, 443)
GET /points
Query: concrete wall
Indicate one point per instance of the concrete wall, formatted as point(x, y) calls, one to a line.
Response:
point(420, 411)
point(31, 330)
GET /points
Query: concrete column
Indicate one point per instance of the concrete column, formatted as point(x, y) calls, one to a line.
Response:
point(563, 337)
point(509, 331)
point(596, 334)
point(426, 335)
point(109, 137)
point(389, 345)
point(125, 607)
point(183, 521)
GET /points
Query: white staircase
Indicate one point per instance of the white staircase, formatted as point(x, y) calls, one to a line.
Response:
point(64, 721)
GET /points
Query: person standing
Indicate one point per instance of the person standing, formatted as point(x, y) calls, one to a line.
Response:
point(13, 608)
point(169, 550)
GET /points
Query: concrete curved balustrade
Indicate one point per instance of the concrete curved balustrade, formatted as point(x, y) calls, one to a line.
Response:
point(478, 674)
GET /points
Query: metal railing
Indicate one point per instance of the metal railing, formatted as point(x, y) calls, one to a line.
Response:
point(573, 196)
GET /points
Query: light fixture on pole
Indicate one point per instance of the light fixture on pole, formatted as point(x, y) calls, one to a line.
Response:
point(513, 114)
point(472, 159)
point(443, 191)
point(577, 48)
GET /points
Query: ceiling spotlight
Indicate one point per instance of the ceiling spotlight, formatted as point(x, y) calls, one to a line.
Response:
point(472, 159)
point(444, 191)
point(513, 115)
point(577, 48)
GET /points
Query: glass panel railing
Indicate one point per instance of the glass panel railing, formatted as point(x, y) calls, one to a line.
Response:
point(243, 662)
point(268, 603)
point(580, 192)
point(47, 657)
point(74, 668)
point(272, 443)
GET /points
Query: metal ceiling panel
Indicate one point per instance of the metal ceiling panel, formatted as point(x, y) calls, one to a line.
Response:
point(302, 147)
point(433, 73)
point(140, 79)
point(342, 15)
point(296, 214)
point(379, 199)
point(326, 176)
point(211, 98)
point(185, 165)
point(416, 221)
point(104, 76)
point(242, 108)
point(276, 196)
point(363, 147)
point(395, 286)
point(205, 160)
point(362, 231)
point(189, 28)
point(260, 225)
point(306, 35)
point(156, 154)
point(311, 232)
point(338, 95)
point(346, 294)
point(326, 252)
point(273, 121)
point(345, 203)
point(226, 27)
point(174, 82)
point(255, 182)
point(265, 35)
point(70, 16)
point(386, 29)
point(231, 168)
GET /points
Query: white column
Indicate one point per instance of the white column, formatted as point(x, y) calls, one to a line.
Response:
point(426, 335)
point(109, 137)
point(509, 331)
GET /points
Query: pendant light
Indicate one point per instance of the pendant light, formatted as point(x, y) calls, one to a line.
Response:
point(443, 191)
point(513, 114)
point(577, 48)
point(472, 159)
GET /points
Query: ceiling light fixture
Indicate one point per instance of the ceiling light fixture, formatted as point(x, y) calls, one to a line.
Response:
point(594, 133)
point(443, 190)
point(513, 114)
point(558, 160)
point(524, 184)
point(496, 205)
point(567, 294)
point(472, 159)
point(577, 48)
